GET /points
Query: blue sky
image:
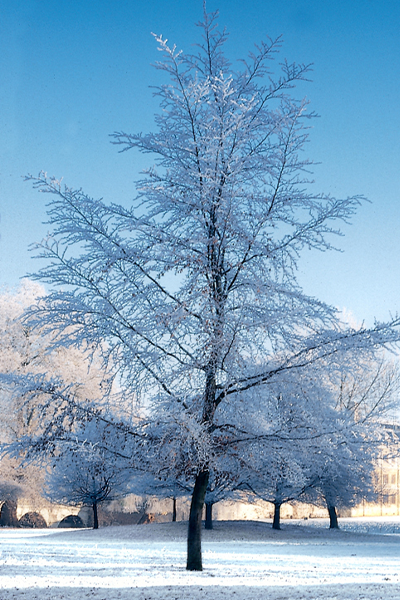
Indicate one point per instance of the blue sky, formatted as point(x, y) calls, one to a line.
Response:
point(73, 72)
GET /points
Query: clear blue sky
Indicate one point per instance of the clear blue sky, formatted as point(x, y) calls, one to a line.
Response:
point(71, 72)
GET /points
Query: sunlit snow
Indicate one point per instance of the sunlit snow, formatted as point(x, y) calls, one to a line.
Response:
point(241, 560)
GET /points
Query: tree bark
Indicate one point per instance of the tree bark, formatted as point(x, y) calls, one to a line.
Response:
point(173, 509)
point(95, 516)
point(333, 519)
point(194, 562)
point(276, 523)
point(209, 519)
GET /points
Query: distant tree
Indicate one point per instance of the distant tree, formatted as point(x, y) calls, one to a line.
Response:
point(287, 484)
point(221, 485)
point(341, 473)
point(283, 424)
point(198, 279)
point(85, 472)
point(27, 353)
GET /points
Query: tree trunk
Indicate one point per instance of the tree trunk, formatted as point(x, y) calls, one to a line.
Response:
point(194, 562)
point(95, 516)
point(209, 519)
point(333, 519)
point(276, 523)
point(173, 509)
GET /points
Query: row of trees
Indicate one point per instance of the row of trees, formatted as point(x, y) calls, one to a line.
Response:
point(307, 436)
point(191, 300)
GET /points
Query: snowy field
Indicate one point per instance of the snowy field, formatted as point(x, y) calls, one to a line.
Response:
point(241, 560)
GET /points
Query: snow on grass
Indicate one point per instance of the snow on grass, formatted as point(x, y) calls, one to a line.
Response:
point(241, 560)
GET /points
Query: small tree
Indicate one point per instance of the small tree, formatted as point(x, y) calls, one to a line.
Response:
point(221, 485)
point(283, 424)
point(197, 280)
point(341, 474)
point(85, 472)
point(364, 394)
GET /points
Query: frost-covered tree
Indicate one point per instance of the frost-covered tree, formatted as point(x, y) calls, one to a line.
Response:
point(341, 472)
point(23, 352)
point(197, 279)
point(27, 351)
point(86, 471)
point(283, 480)
point(31, 426)
point(284, 421)
point(342, 468)
point(221, 485)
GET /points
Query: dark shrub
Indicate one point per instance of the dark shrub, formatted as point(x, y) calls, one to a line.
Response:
point(71, 521)
point(32, 519)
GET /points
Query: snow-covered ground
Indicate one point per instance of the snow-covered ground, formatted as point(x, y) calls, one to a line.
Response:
point(242, 561)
